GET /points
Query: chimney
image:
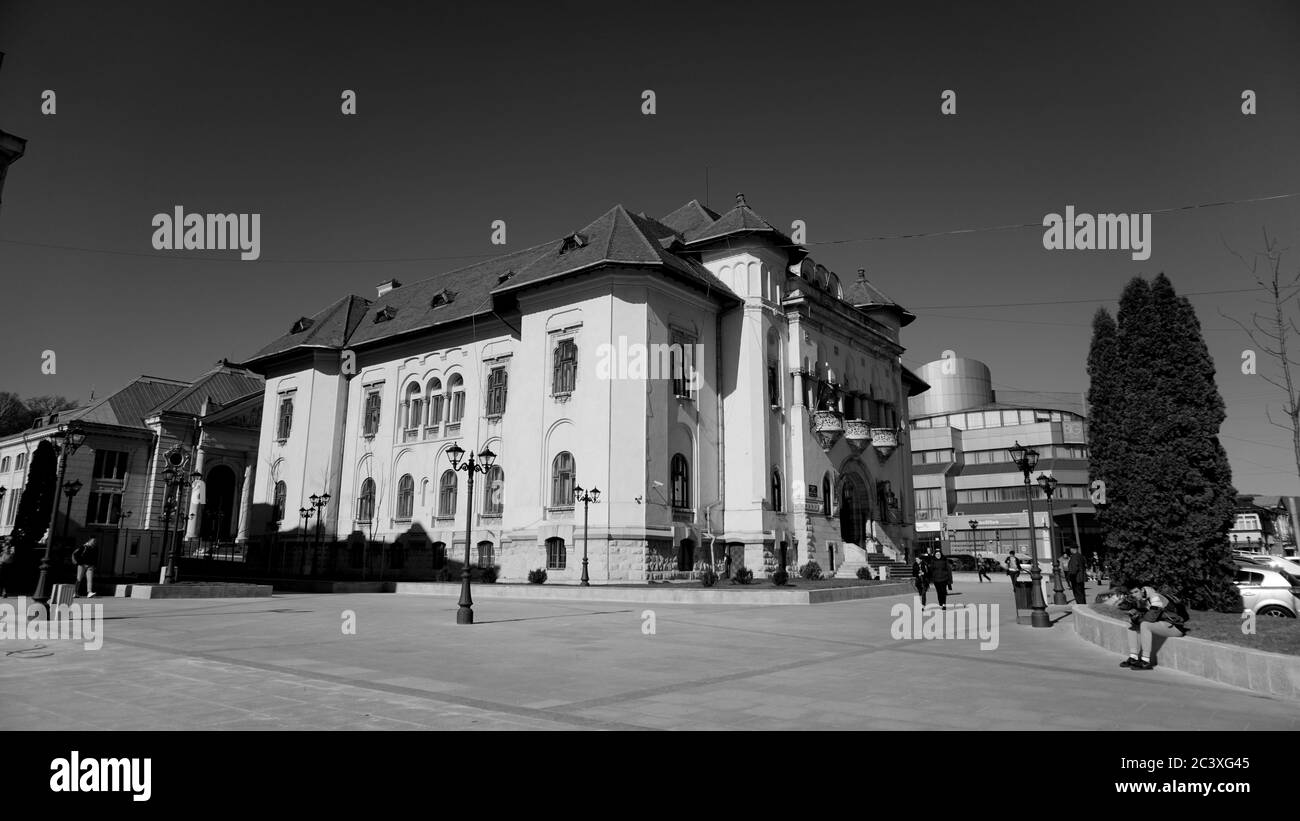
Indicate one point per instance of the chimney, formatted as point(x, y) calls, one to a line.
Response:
point(388, 285)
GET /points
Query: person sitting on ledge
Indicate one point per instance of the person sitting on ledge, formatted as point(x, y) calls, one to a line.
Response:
point(1151, 613)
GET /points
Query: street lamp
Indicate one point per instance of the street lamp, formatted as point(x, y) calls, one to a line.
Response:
point(70, 489)
point(586, 497)
point(72, 436)
point(974, 549)
point(465, 611)
point(1048, 484)
point(122, 520)
point(304, 513)
point(1027, 459)
point(319, 503)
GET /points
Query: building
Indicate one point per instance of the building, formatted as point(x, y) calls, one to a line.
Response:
point(961, 430)
point(12, 149)
point(118, 469)
point(1264, 524)
point(728, 396)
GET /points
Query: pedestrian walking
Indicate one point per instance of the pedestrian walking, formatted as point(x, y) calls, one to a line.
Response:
point(8, 563)
point(982, 567)
point(1077, 574)
point(86, 557)
point(941, 575)
point(921, 576)
point(1013, 566)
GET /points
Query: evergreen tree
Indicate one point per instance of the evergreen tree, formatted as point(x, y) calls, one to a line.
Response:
point(37, 501)
point(1104, 395)
point(1169, 486)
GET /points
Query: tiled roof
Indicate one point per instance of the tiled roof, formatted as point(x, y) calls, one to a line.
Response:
point(860, 293)
point(223, 384)
point(739, 220)
point(690, 218)
point(328, 328)
point(129, 406)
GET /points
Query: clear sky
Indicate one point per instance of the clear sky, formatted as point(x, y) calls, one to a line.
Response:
point(825, 113)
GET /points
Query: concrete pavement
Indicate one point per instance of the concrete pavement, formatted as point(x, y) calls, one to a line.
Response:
point(285, 663)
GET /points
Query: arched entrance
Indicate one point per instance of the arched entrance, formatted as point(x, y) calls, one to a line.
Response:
point(853, 510)
point(219, 505)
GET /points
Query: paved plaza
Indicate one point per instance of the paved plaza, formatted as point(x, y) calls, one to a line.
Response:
point(285, 663)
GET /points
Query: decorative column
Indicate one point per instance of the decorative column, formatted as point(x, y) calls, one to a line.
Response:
point(198, 494)
point(245, 499)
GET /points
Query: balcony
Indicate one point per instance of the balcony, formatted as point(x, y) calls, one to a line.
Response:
point(858, 433)
point(828, 427)
point(683, 514)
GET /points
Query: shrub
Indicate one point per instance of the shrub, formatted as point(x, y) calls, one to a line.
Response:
point(537, 576)
point(780, 578)
point(489, 575)
point(445, 574)
point(812, 571)
point(864, 573)
point(742, 575)
point(708, 577)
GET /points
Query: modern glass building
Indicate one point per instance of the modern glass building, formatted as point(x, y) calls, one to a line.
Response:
point(962, 473)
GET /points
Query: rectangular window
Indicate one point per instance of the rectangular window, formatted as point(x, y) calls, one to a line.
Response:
point(110, 464)
point(1010, 418)
point(974, 421)
point(923, 423)
point(564, 374)
point(285, 417)
point(992, 419)
point(496, 391)
point(370, 424)
point(103, 508)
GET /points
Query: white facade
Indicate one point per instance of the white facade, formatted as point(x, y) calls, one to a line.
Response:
point(682, 475)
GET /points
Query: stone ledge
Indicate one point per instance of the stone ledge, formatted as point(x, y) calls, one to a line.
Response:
point(195, 591)
point(754, 595)
point(1274, 674)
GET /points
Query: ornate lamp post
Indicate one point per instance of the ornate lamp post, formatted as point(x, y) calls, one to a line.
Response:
point(304, 513)
point(123, 522)
point(70, 489)
point(586, 497)
point(974, 546)
point(465, 611)
point(1027, 459)
point(1048, 484)
point(319, 503)
point(72, 436)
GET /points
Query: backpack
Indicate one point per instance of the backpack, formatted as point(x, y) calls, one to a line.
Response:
point(1176, 608)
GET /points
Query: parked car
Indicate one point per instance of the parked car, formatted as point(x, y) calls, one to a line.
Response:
point(1290, 566)
point(1268, 592)
point(961, 561)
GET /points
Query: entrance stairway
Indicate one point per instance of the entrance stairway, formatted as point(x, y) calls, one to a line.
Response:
point(855, 557)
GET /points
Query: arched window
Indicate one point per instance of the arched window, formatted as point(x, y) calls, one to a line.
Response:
point(486, 555)
point(562, 471)
point(456, 398)
point(20, 461)
point(366, 501)
point(414, 407)
point(405, 496)
point(555, 554)
point(776, 491)
point(424, 493)
point(826, 493)
point(680, 475)
point(447, 494)
point(433, 400)
point(281, 499)
point(493, 493)
point(439, 555)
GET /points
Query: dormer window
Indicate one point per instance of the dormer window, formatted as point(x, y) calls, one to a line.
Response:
point(502, 277)
point(385, 314)
point(301, 325)
point(443, 297)
point(573, 242)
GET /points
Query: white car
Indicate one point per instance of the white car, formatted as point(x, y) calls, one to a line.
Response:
point(1290, 566)
point(1268, 592)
